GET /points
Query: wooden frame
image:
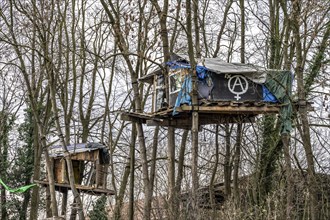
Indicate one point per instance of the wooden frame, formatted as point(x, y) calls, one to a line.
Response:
point(88, 160)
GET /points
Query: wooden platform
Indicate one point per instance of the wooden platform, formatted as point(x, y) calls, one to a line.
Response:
point(63, 187)
point(209, 113)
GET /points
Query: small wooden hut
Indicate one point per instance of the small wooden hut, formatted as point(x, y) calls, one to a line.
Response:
point(90, 164)
point(227, 92)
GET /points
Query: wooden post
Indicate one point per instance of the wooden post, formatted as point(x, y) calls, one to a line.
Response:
point(288, 170)
point(171, 173)
point(194, 134)
point(98, 173)
point(132, 174)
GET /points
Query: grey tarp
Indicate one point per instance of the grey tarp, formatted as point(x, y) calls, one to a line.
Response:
point(57, 150)
point(254, 73)
point(279, 83)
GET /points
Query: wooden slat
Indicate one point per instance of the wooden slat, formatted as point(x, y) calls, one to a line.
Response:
point(211, 112)
point(233, 109)
point(86, 156)
point(184, 122)
point(84, 189)
point(177, 123)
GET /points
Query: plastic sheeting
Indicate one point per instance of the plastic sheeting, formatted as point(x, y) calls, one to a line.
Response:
point(57, 150)
point(184, 94)
point(17, 190)
point(279, 83)
point(254, 73)
point(267, 95)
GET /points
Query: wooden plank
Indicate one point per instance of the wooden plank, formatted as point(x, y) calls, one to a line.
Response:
point(84, 156)
point(223, 103)
point(91, 155)
point(60, 170)
point(233, 109)
point(182, 123)
point(185, 121)
point(137, 117)
point(98, 177)
point(131, 118)
point(84, 189)
point(170, 122)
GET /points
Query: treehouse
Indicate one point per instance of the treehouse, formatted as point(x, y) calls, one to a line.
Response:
point(227, 93)
point(90, 163)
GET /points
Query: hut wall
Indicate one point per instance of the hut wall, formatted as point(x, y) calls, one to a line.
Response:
point(235, 87)
point(60, 174)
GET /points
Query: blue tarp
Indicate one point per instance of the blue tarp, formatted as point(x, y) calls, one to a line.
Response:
point(186, 88)
point(280, 85)
point(184, 94)
point(201, 70)
point(268, 96)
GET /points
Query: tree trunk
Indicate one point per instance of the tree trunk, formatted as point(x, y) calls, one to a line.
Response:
point(237, 158)
point(227, 163)
point(214, 172)
point(132, 168)
point(137, 101)
point(241, 5)
point(36, 174)
point(305, 133)
point(181, 161)
point(3, 161)
point(194, 129)
point(172, 211)
point(128, 172)
point(52, 89)
point(289, 177)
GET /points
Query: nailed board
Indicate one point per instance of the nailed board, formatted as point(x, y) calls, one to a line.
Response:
point(62, 187)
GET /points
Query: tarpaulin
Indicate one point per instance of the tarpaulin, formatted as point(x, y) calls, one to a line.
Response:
point(255, 73)
point(279, 83)
point(267, 95)
point(18, 190)
point(184, 94)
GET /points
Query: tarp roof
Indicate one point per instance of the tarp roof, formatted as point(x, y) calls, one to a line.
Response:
point(255, 73)
point(57, 151)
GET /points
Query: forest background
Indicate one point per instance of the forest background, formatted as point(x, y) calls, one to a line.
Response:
point(68, 68)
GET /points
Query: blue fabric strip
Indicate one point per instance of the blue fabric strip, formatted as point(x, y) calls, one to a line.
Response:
point(184, 94)
point(268, 96)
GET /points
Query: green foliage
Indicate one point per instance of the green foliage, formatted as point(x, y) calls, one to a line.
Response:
point(6, 124)
point(19, 171)
point(7, 121)
point(270, 153)
point(23, 166)
point(98, 212)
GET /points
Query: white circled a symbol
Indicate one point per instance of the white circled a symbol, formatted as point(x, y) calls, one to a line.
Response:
point(239, 86)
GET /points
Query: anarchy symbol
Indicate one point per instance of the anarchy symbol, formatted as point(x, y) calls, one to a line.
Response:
point(238, 85)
